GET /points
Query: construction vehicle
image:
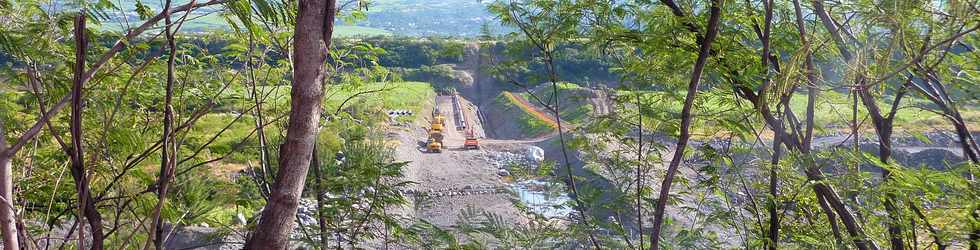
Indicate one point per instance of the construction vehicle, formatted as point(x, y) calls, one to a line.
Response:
point(471, 142)
point(433, 146)
point(436, 126)
point(439, 120)
point(434, 143)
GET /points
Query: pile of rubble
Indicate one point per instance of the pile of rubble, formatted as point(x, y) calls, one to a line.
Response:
point(504, 160)
point(449, 192)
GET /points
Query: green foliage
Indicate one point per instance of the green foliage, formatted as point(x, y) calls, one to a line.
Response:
point(442, 76)
point(233, 83)
point(413, 52)
point(356, 183)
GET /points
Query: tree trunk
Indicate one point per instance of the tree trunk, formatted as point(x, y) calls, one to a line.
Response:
point(639, 171)
point(168, 147)
point(774, 192)
point(314, 28)
point(7, 220)
point(811, 76)
point(831, 216)
point(967, 142)
point(692, 90)
point(7, 153)
point(850, 223)
point(86, 202)
point(321, 218)
point(882, 125)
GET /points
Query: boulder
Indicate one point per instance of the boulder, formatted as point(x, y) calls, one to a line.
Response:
point(534, 154)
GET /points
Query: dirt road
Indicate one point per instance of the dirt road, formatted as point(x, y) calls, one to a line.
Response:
point(450, 182)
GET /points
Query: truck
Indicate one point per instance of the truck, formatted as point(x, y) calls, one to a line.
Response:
point(471, 142)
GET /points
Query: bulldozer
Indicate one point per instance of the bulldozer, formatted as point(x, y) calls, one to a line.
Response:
point(434, 143)
point(433, 146)
point(436, 126)
point(471, 142)
point(439, 120)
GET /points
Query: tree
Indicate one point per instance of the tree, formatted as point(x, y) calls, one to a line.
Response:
point(692, 90)
point(312, 36)
point(7, 211)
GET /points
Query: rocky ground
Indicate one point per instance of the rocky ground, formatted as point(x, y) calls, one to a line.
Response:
point(449, 183)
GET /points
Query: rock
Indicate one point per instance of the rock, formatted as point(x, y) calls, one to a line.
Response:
point(240, 219)
point(503, 172)
point(202, 238)
point(534, 154)
point(938, 159)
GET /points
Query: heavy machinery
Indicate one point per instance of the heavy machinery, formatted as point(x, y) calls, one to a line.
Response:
point(434, 143)
point(438, 121)
point(433, 146)
point(471, 142)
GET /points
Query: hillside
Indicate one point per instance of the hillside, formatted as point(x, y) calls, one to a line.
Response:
point(460, 18)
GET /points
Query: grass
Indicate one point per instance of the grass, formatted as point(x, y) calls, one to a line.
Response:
point(832, 112)
point(412, 96)
point(527, 122)
point(211, 124)
point(396, 95)
point(575, 106)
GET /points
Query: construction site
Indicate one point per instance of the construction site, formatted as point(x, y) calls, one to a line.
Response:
point(465, 148)
point(452, 164)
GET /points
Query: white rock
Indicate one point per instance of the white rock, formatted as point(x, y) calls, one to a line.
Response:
point(534, 154)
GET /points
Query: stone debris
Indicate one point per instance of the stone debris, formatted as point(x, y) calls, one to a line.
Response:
point(504, 161)
point(449, 192)
point(535, 154)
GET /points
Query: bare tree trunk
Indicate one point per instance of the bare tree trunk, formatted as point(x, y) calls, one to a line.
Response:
point(938, 96)
point(850, 223)
point(7, 220)
point(882, 125)
point(692, 90)
point(321, 219)
point(812, 90)
point(314, 29)
point(86, 202)
point(967, 142)
point(259, 120)
point(831, 216)
point(774, 191)
point(639, 170)
point(773, 205)
point(168, 147)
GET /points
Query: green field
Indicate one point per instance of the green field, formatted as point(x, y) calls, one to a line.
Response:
point(832, 112)
point(395, 95)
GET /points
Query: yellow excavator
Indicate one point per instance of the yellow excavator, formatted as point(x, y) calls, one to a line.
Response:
point(434, 144)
